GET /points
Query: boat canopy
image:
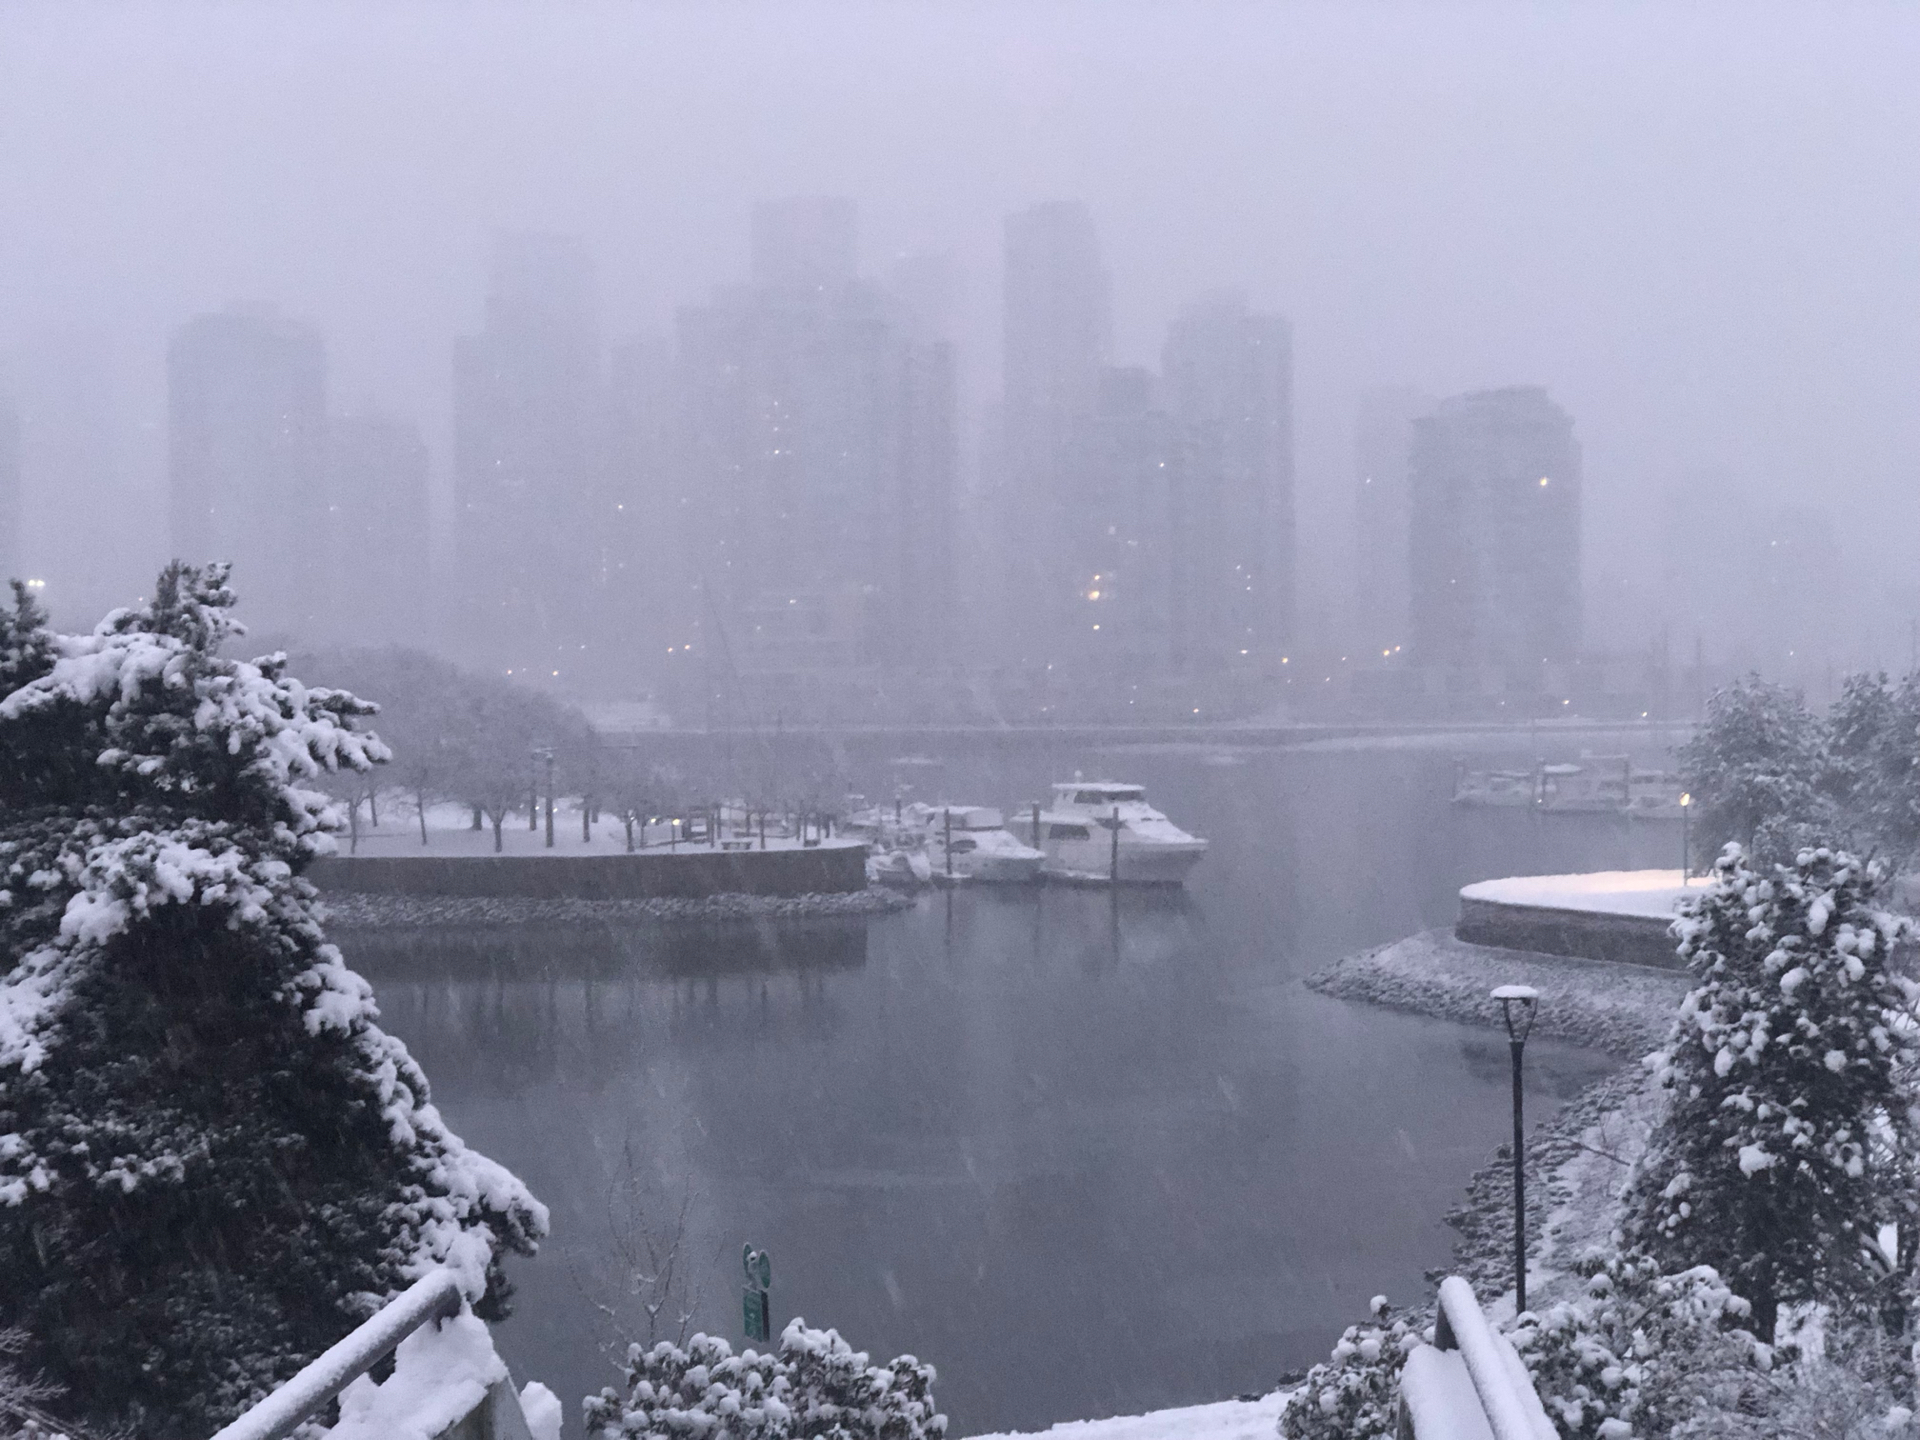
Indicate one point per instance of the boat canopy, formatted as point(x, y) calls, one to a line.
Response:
point(1099, 792)
point(970, 817)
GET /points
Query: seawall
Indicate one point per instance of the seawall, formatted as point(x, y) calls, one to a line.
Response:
point(1584, 934)
point(834, 868)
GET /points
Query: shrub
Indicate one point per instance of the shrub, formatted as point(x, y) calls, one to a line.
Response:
point(815, 1387)
point(1639, 1350)
point(1353, 1395)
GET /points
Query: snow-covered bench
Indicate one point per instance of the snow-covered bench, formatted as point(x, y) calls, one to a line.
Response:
point(447, 1380)
point(1469, 1384)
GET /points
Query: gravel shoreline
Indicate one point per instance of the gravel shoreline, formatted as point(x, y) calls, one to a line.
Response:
point(1625, 1010)
point(1578, 1158)
point(352, 911)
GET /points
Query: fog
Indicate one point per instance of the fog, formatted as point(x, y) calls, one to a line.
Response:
point(1693, 226)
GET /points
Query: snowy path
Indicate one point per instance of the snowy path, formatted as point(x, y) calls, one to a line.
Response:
point(1222, 1420)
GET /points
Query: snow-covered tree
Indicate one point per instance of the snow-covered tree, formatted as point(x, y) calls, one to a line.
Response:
point(1789, 1140)
point(815, 1387)
point(1872, 768)
point(1754, 768)
point(212, 1160)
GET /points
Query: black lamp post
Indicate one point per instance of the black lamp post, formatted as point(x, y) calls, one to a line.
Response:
point(545, 752)
point(1517, 1003)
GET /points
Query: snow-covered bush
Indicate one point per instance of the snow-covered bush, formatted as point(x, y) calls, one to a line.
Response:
point(212, 1160)
point(1789, 1140)
point(1354, 1393)
point(1639, 1350)
point(814, 1388)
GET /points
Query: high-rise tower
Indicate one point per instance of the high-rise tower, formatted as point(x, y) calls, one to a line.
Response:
point(527, 411)
point(1229, 384)
point(247, 410)
point(816, 457)
point(1495, 534)
point(1057, 331)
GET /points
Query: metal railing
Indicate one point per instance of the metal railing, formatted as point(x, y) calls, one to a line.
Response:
point(320, 1383)
point(1469, 1381)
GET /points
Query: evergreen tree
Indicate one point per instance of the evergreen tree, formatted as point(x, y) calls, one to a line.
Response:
point(1873, 763)
point(1789, 1140)
point(1754, 767)
point(212, 1160)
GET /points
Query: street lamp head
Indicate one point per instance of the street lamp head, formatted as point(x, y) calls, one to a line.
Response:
point(1686, 799)
point(1517, 1006)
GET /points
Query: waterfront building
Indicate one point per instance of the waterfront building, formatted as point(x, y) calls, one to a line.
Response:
point(247, 410)
point(1494, 527)
point(815, 448)
point(382, 552)
point(1057, 332)
point(1381, 606)
point(1229, 387)
point(527, 403)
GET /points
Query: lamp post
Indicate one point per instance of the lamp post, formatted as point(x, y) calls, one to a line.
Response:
point(545, 752)
point(1517, 1004)
point(1686, 836)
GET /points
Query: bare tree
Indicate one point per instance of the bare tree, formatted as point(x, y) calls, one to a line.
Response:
point(654, 1294)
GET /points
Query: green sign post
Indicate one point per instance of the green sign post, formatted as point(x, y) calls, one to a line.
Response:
point(756, 1317)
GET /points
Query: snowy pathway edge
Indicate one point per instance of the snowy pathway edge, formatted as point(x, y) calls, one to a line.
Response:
point(1219, 1420)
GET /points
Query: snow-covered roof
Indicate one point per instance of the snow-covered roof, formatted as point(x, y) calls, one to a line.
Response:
point(1606, 892)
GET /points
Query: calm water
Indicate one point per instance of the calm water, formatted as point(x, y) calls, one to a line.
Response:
point(1086, 1158)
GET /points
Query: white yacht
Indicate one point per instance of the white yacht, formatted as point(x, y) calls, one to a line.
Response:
point(971, 842)
point(1101, 830)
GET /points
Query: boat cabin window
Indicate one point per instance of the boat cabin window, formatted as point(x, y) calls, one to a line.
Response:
point(1106, 797)
point(1068, 832)
point(961, 847)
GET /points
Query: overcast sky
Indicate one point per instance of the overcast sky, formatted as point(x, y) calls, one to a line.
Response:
point(1699, 226)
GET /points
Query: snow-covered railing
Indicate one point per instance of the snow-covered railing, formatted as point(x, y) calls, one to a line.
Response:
point(435, 1297)
point(1469, 1384)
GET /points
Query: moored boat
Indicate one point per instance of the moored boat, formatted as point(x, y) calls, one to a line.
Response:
point(971, 842)
point(1103, 831)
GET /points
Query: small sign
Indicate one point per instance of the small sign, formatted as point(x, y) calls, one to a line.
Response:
point(756, 1314)
point(753, 1313)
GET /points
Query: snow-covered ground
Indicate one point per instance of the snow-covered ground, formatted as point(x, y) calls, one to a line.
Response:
point(1222, 1420)
point(1610, 892)
point(450, 832)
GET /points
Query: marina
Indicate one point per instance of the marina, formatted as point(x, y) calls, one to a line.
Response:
point(1048, 1136)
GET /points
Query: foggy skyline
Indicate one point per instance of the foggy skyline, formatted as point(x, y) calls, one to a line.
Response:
point(1694, 229)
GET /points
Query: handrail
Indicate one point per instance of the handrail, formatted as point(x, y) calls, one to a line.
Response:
point(434, 1295)
point(1506, 1394)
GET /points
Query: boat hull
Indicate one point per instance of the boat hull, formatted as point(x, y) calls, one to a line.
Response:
point(997, 869)
point(1139, 865)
